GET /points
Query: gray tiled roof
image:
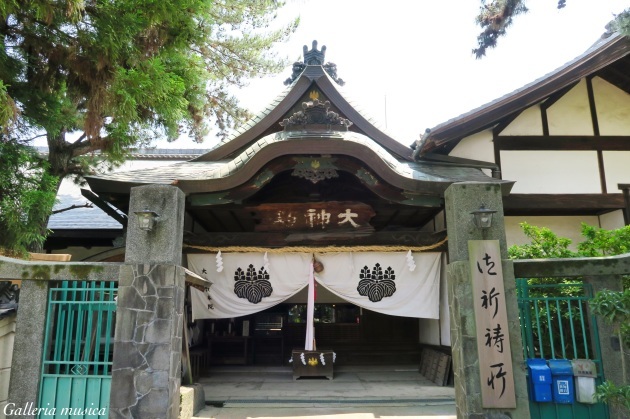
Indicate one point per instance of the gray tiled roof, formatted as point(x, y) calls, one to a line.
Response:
point(154, 153)
point(259, 116)
point(167, 175)
point(94, 218)
point(195, 170)
point(80, 218)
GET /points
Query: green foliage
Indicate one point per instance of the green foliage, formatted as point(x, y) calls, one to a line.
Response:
point(608, 392)
point(27, 195)
point(621, 23)
point(613, 306)
point(99, 78)
point(118, 72)
point(495, 16)
point(600, 242)
point(544, 244)
point(8, 110)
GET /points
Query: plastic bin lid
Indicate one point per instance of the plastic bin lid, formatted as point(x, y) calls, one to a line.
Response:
point(560, 366)
point(537, 364)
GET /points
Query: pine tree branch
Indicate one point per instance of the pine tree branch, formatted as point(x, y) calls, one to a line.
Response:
point(71, 207)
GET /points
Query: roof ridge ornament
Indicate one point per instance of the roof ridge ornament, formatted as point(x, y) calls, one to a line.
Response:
point(316, 112)
point(314, 57)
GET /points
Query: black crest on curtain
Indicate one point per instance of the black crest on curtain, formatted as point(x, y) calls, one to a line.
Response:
point(376, 284)
point(252, 285)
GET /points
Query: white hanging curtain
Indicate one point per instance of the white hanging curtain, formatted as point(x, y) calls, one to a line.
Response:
point(398, 284)
point(388, 283)
point(248, 282)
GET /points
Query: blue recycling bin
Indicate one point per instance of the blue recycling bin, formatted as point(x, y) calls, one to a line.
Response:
point(562, 377)
point(539, 380)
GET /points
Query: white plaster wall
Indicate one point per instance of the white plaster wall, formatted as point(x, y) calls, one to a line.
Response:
point(551, 171)
point(613, 108)
point(438, 331)
point(476, 147)
point(529, 122)
point(611, 220)
point(571, 114)
point(562, 171)
point(617, 165)
point(565, 226)
point(7, 335)
point(429, 333)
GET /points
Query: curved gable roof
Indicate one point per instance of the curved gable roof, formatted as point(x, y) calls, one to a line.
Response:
point(313, 76)
point(215, 176)
point(261, 142)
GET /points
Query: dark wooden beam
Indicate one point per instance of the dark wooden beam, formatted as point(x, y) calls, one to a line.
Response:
point(602, 171)
point(459, 161)
point(557, 96)
point(625, 188)
point(498, 173)
point(282, 239)
point(564, 142)
point(595, 123)
point(96, 200)
point(592, 106)
point(545, 121)
point(505, 122)
point(570, 204)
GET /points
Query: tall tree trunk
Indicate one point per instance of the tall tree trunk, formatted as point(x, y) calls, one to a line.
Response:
point(59, 162)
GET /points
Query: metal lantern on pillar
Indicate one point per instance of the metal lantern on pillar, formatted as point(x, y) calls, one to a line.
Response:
point(146, 219)
point(483, 217)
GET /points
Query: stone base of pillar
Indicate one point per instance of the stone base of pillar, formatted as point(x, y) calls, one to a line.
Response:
point(147, 346)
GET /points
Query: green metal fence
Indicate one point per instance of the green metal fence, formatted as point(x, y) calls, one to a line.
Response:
point(556, 324)
point(78, 346)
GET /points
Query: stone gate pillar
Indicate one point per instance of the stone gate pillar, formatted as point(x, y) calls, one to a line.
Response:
point(146, 369)
point(28, 348)
point(461, 199)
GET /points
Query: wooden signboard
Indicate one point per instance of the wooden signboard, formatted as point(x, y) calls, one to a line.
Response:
point(493, 337)
point(313, 216)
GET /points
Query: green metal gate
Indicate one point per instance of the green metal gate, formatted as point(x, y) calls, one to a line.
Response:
point(77, 361)
point(555, 324)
